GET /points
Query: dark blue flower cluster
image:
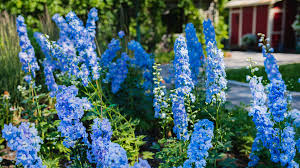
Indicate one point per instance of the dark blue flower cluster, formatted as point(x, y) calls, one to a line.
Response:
point(183, 86)
point(209, 32)
point(144, 61)
point(196, 55)
point(110, 53)
point(26, 142)
point(200, 143)
point(70, 110)
point(117, 72)
point(101, 135)
point(216, 82)
point(27, 55)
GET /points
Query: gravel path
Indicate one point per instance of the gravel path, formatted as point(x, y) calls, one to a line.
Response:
point(239, 59)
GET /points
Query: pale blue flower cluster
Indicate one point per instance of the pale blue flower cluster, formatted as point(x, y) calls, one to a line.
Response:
point(143, 61)
point(116, 157)
point(141, 164)
point(295, 117)
point(26, 142)
point(216, 82)
point(183, 86)
point(261, 118)
point(200, 143)
point(121, 34)
point(117, 72)
point(101, 135)
point(70, 110)
point(74, 52)
point(27, 55)
point(209, 32)
point(196, 55)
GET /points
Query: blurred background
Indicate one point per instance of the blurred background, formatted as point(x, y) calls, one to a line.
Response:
point(155, 23)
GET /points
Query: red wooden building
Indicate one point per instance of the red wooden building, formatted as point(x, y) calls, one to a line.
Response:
point(271, 17)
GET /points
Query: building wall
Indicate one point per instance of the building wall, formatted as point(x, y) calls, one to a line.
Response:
point(247, 20)
point(262, 19)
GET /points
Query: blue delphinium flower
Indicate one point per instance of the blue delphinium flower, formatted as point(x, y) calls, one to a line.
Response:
point(110, 53)
point(216, 82)
point(101, 135)
point(261, 118)
point(70, 110)
point(196, 55)
point(84, 40)
point(200, 143)
point(116, 157)
point(144, 61)
point(91, 22)
point(27, 55)
point(121, 34)
point(118, 72)
point(48, 63)
point(141, 164)
point(26, 142)
point(209, 32)
point(183, 86)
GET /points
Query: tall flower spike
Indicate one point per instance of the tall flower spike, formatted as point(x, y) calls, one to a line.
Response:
point(183, 86)
point(27, 55)
point(209, 32)
point(101, 135)
point(196, 55)
point(200, 144)
point(216, 82)
point(26, 142)
point(261, 118)
point(70, 110)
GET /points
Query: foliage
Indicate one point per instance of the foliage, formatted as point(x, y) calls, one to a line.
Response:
point(10, 73)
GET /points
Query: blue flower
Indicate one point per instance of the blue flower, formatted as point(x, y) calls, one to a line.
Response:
point(183, 86)
point(118, 72)
point(110, 53)
point(209, 32)
point(27, 55)
point(101, 135)
point(141, 164)
point(200, 143)
point(70, 110)
point(196, 55)
point(216, 82)
point(26, 142)
point(116, 157)
point(121, 34)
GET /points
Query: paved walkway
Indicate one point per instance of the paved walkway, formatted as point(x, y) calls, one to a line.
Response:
point(239, 59)
point(240, 93)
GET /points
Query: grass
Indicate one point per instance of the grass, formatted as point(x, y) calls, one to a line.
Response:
point(10, 66)
point(290, 74)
